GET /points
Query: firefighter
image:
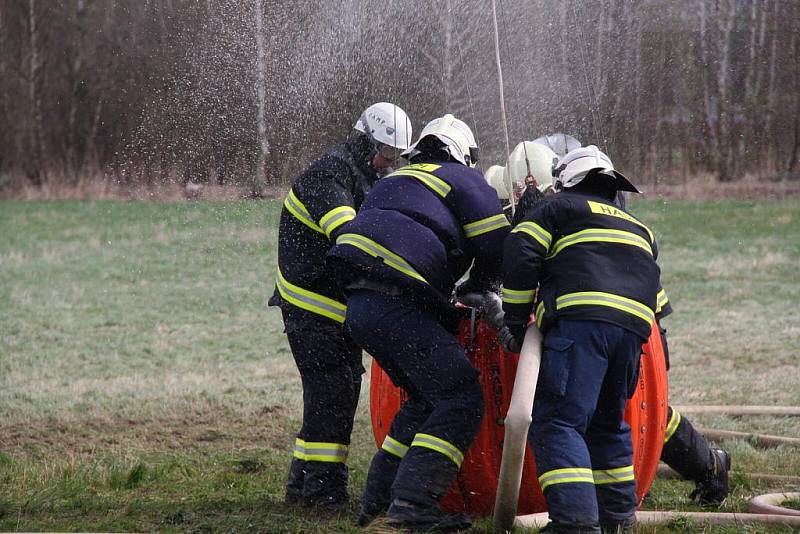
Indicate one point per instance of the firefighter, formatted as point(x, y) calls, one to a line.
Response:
point(319, 206)
point(685, 449)
point(416, 235)
point(597, 278)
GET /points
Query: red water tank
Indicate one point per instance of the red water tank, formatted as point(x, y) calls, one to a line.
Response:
point(474, 489)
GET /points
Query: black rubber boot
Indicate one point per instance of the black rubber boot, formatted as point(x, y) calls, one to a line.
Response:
point(713, 489)
point(295, 481)
point(414, 517)
point(378, 492)
point(325, 485)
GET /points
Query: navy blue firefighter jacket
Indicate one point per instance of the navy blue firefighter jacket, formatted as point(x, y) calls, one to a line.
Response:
point(420, 229)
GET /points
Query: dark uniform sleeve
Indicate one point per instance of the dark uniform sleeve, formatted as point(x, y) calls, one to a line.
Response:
point(486, 227)
point(525, 249)
point(326, 195)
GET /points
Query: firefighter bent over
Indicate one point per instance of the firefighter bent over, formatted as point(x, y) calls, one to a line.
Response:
point(321, 202)
point(597, 278)
point(416, 235)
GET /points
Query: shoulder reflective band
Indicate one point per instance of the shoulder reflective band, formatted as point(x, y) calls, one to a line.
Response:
point(308, 300)
point(598, 298)
point(486, 225)
point(606, 209)
point(296, 208)
point(425, 167)
point(610, 476)
point(662, 299)
point(376, 250)
point(672, 426)
point(437, 185)
point(319, 451)
point(540, 314)
point(518, 296)
point(392, 446)
point(439, 445)
point(335, 218)
point(566, 475)
point(601, 235)
point(535, 231)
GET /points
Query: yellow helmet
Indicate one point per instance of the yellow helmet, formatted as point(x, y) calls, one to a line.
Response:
point(530, 164)
point(494, 177)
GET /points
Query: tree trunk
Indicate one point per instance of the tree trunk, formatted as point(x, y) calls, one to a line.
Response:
point(261, 100)
point(35, 73)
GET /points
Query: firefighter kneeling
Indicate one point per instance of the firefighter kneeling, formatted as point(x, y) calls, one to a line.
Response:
point(417, 233)
point(597, 278)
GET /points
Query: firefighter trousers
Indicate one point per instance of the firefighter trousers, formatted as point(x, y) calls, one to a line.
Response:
point(330, 371)
point(435, 426)
point(582, 444)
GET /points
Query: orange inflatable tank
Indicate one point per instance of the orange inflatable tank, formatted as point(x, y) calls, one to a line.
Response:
point(474, 489)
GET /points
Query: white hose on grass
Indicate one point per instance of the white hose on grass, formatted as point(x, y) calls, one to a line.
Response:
point(516, 424)
point(740, 410)
point(659, 518)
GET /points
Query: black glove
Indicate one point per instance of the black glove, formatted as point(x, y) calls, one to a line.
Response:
point(511, 337)
point(488, 303)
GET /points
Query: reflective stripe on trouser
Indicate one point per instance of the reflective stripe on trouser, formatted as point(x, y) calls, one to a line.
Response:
point(392, 446)
point(445, 405)
point(581, 443)
point(686, 451)
point(319, 451)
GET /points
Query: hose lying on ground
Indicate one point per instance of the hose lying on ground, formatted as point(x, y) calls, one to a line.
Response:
point(739, 410)
point(665, 471)
point(764, 440)
point(659, 518)
point(770, 504)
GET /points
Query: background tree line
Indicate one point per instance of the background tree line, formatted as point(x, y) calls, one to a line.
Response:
point(250, 91)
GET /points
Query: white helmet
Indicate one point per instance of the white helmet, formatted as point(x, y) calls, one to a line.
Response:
point(576, 165)
point(386, 124)
point(530, 160)
point(494, 177)
point(560, 143)
point(455, 134)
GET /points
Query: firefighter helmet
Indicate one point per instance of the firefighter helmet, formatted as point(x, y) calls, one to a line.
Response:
point(570, 170)
point(454, 134)
point(386, 124)
point(560, 143)
point(530, 164)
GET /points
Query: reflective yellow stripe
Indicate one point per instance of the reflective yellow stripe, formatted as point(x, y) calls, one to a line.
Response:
point(598, 298)
point(540, 314)
point(535, 231)
point(319, 451)
point(379, 251)
point(298, 209)
point(613, 211)
point(392, 446)
point(662, 299)
point(425, 167)
point(518, 296)
point(486, 225)
point(672, 426)
point(437, 185)
point(566, 475)
point(335, 218)
point(612, 476)
point(439, 445)
point(601, 235)
point(310, 301)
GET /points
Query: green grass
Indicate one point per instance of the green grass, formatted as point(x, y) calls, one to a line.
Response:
point(145, 385)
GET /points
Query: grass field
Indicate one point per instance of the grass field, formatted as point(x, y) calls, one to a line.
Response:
point(145, 385)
